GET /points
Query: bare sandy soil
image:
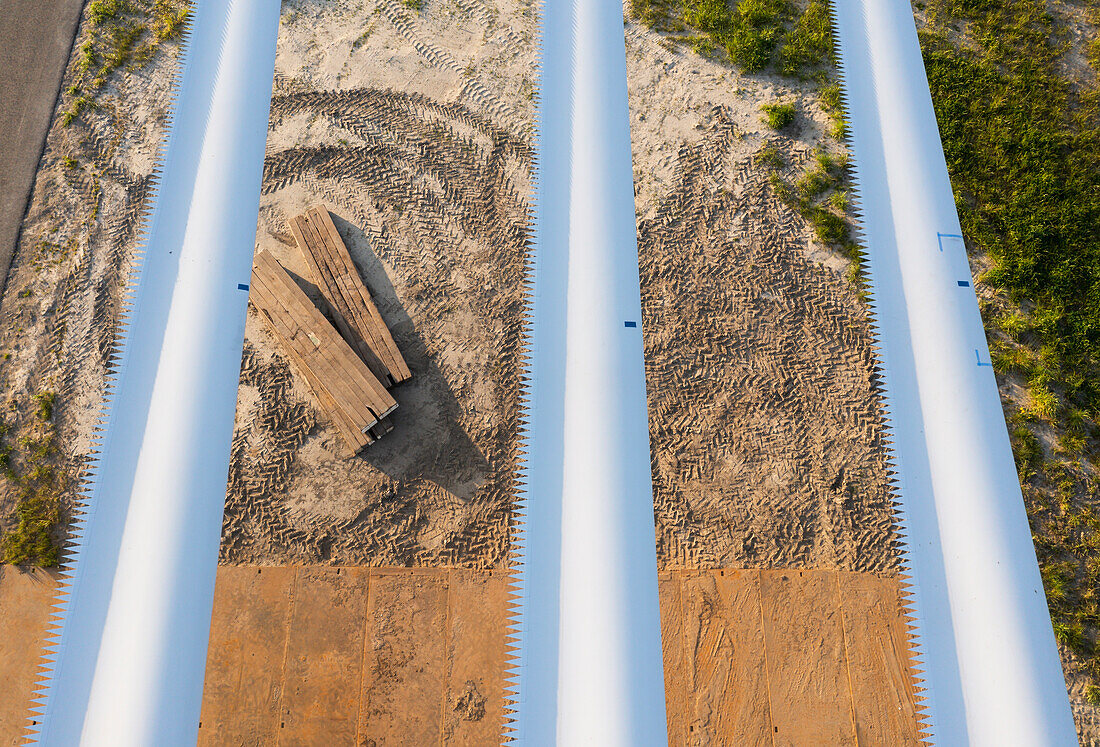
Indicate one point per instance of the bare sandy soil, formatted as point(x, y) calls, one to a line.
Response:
point(765, 429)
point(60, 309)
point(411, 129)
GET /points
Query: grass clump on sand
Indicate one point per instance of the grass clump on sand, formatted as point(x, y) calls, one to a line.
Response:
point(32, 472)
point(819, 196)
point(772, 35)
point(121, 33)
point(1023, 149)
point(778, 116)
point(755, 35)
point(749, 31)
point(808, 47)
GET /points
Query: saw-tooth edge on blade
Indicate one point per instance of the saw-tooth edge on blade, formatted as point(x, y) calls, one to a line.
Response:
point(516, 591)
point(880, 382)
point(515, 588)
point(512, 726)
point(85, 504)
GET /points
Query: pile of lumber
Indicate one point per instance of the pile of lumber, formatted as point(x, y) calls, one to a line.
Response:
point(352, 308)
point(348, 363)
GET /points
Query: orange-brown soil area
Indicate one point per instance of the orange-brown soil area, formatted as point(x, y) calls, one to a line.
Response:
point(385, 656)
point(25, 598)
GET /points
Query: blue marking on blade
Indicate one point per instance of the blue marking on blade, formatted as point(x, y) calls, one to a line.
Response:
point(978, 357)
point(964, 283)
point(630, 324)
point(941, 236)
point(242, 286)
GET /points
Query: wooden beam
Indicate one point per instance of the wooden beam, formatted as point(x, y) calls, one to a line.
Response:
point(344, 386)
point(355, 313)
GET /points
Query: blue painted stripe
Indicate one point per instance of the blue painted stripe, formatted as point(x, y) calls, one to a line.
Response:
point(941, 236)
point(242, 286)
point(964, 283)
point(630, 324)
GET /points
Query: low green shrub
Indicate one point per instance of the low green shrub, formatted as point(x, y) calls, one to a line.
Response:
point(778, 116)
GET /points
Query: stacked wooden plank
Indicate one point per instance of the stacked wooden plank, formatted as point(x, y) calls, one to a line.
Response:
point(354, 312)
point(349, 392)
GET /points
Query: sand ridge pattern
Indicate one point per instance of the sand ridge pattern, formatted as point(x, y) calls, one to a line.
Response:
point(430, 199)
point(765, 431)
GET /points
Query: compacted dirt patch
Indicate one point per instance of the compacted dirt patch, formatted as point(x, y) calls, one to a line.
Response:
point(25, 599)
point(393, 656)
point(416, 656)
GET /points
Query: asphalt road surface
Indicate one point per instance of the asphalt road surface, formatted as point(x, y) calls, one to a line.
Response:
point(36, 37)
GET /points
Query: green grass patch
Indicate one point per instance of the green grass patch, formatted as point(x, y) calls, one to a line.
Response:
point(748, 30)
point(44, 402)
point(771, 157)
point(820, 196)
point(32, 470)
point(755, 35)
point(808, 46)
point(1023, 150)
point(778, 116)
point(661, 15)
point(121, 33)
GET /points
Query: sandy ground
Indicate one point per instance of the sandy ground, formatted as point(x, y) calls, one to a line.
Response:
point(35, 40)
point(411, 129)
point(414, 129)
point(305, 655)
point(61, 305)
point(765, 430)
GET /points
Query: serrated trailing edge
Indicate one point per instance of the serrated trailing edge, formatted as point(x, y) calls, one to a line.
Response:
point(588, 618)
point(85, 504)
point(881, 386)
point(141, 563)
point(516, 586)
